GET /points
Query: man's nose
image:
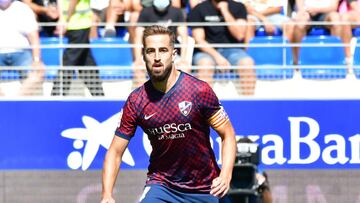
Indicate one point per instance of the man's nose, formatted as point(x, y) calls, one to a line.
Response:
point(157, 56)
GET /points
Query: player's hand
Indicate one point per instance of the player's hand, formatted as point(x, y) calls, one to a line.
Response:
point(220, 187)
point(107, 200)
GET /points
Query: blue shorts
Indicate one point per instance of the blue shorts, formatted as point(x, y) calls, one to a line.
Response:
point(21, 58)
point(162, 194)
point(233, 55)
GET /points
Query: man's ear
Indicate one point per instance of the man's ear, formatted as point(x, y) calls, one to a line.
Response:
point(174, 54)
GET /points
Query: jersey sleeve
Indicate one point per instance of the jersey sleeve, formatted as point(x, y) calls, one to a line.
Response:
point(127, 126)
point(211, 108)
point(208, 102)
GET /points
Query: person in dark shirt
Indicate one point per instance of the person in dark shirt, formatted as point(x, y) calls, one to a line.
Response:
point(47, 12)
point(222, 11)
point(176, 111)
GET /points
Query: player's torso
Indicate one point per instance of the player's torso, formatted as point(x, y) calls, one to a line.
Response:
point(172, 116)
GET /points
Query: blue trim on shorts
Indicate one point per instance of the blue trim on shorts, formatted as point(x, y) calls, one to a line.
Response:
point(162, 194)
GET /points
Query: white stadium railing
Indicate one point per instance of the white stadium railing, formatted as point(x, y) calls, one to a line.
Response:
point(282, 80)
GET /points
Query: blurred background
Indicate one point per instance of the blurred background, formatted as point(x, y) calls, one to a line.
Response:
point(287, 73)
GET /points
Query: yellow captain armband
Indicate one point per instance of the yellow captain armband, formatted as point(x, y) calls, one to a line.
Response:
point(218, 119)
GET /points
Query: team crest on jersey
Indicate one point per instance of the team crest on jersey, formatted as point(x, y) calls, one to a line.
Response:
point(185, 107)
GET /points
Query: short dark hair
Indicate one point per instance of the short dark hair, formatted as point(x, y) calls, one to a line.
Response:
point(158, 29)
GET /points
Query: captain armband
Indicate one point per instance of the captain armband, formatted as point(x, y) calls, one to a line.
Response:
point(219, 118)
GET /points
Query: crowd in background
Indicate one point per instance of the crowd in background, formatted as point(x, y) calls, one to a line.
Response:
point(24, 23)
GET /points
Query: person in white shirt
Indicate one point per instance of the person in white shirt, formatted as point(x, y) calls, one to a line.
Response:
point(20, 44)
point(270, 14)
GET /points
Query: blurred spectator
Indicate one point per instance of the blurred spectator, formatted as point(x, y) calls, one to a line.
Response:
point(75, 22)
point(268, 13)
point(350, 14)
point(117, 9)
point(47, 12)
point(315, 11)
point(18, 33)
point(193, 3)
point(164, 13)
point(116, 13)
point(99, 9)
point(219, 11)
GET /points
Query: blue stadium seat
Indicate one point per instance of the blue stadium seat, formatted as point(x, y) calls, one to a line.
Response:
point(356, 32)
point(112, 56)
point(51, 54)
point(8, 75)
point(357, 59)
point(272, 58)
point(261, 32)
point(318, 31)
point(318, 51)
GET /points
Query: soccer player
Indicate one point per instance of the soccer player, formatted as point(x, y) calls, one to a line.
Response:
point(176, 111)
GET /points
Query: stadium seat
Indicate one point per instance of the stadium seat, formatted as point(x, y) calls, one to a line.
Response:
point(322, 53)
point(356, 32)
point(272, 58)
point(261, 32)
point(51, 54)
point(9, 75)
point(357, 59)
point(318, 31)
point(111, 58)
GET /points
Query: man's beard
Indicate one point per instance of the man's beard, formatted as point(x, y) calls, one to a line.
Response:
point(162, 77)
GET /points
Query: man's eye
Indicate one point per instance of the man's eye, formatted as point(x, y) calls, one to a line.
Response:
point(149, 51)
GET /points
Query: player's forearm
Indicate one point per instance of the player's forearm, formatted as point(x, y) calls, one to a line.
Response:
point(228, 154)
point(111, 169)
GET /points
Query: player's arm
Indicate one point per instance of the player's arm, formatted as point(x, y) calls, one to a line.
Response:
point(111, 167)
point(222, 125)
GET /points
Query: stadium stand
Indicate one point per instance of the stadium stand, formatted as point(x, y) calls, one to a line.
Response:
point(357, 59)
point(278, 56)
point(322, 51)
point(112, 55)
point(51, 54)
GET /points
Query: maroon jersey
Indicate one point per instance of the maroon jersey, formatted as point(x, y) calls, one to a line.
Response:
point(177, 125)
